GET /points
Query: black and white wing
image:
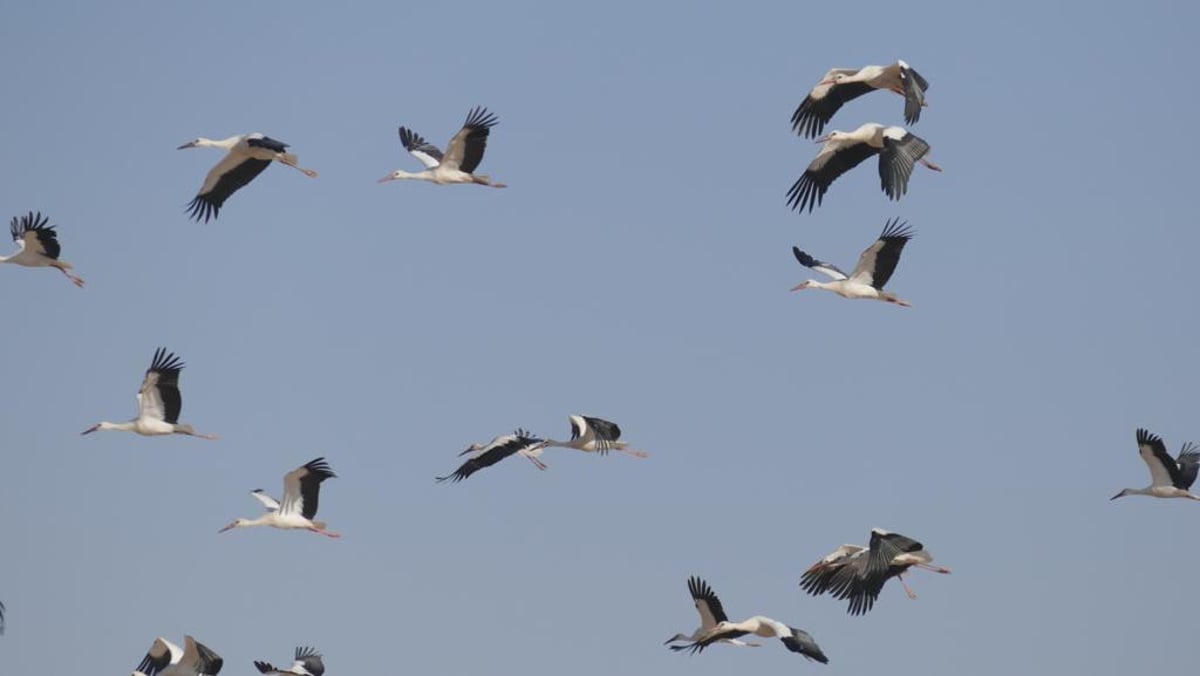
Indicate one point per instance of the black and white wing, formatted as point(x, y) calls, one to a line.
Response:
point(883, 550)
point(1163, 470)
point(819, 107)
point(915, 87)
point(708, 639)
point(800, 641)
point(828, 269)
point(465, 150)
point(878, 261)
point(231, 174)
point(901, 151)
point(428, 154)
point(1189, 465)
point(199, 659)
point(159, 397)
point(605, 432)
point(268, 502)
point(707, 603)
point(161, 655)
point(33, 233)
point(266, 142)
point(836, 158)
point(499, 449)
point(302, 488)
point(308, 663)
point(835, 572)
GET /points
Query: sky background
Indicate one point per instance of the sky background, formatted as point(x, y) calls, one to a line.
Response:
point(636, 269)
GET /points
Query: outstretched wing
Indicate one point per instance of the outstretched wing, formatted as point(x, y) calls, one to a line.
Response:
point(429, 154)
point(878, 261)
point(828, 269)
point(1189, 465)
point(707, 603)
point(159, 395)
point(465, 150)
point(302, 488)
point(1163, 471)
point(818, 108)
point(270, 503)
point(915, 87)
point(901, 151)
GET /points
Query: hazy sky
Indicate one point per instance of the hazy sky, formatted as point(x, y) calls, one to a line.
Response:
point(637, 269)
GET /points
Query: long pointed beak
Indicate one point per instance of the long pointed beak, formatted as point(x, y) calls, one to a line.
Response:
point(1110, 499)
point(825, 82)
point(189, 144)
point(385, 179)
point(89, 430)
point(822, 139)
point(229, 527)
point(799, 287)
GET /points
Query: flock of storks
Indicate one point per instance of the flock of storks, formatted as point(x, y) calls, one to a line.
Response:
point(850, 573)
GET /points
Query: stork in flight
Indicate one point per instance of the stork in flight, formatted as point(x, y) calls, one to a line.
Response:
point(594, 435)
point(841, 85)
point(874, 269)
point(858, 575)
point(1169, 477)
point(710, 610)
point(166, 659)
point(308, 663)
point(899, 151)
point(795, 640)
point(159, 402)
point(248, 155)
point(37, 245)
point(301, 490)
point(486, 455)
point(463, 154)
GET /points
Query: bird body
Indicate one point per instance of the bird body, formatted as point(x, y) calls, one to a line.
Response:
point(841, 85)
point(298, 509)
point(247, 156)
point(711, 612)
point(463, 153)
point(875, 267)
point(795, 640)
point(858, 574)
point(308, 663)
point(37, 245)
point(159, 402)
point(166, 659)
point(1169, 477)
point(594, 435)
point(519, 442)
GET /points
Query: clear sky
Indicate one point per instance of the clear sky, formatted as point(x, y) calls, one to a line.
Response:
point(637, 269)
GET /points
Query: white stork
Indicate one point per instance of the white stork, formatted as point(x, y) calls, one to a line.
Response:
point(899, 150)
point(248, 156)
point(166, 659)
point(463, 154)
point(846, 84)
point(795, 640)
point(308, 663)
point(711, 612)
point(37, 245)
point(519, 442)
point(159, 402)
point(1169, 477)
point(858, 574)
point(874, 269)
point(301, 491)
point(594, 435)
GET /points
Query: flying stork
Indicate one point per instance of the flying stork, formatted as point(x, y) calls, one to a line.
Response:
point(711, 612)
point(1169, 477)
point(899, 150)
point(519, 442)
point(159, 402)
point(301, 491)
point(874, 269)
point(248, 155)
point(858, 574)
point(166, 659)
point(308, 663)
point(795, 640)
point(37, 245)
point(594, 435)
point(463, 154)
point(846, 84)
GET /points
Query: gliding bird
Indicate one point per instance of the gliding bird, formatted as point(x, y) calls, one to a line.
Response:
point(301, 490)
point(899, 150)
point(159, 402)
point(520, 442)
point(463, 154)
point(711, 612)
point(846, 84)
point(166, 659)
point(37, 245)
point(248, 156)
point(308, 663)
point(1169, 477)
point(874, 269)
point(594, 435)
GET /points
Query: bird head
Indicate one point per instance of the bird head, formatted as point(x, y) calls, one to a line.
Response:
point(236, 523)
point(833, 80)
point(397, 175)
point(194, 143)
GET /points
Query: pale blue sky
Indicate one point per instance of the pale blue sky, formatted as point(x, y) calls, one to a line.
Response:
point(636, 269)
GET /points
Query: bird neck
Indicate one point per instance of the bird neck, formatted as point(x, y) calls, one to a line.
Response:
point(224, 144)
point(127, 426)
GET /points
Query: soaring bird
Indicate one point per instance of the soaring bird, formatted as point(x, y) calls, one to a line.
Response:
point(159, 402)
point(594, 435)
point(795, 640)
point(248, 156)
point(1169, 477)
point(308, 663)
point(857, 574)
point(874, 269)
point(301, 491)
point(463, 154)
point(166, 659)
point(846, 84)
point(486, 455)
point(899, 150)
point(710, 610)
point(37, 245)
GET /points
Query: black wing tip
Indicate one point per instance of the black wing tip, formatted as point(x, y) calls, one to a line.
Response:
point(165, 362)
point(803, 258)
point(897, 230)
point(452, 478)
point(320, 468)
point(410, 139)
point(30, 221)
point(263, 667)
point(1145, 436)
point(201, 209)
point(306, 651)
point(480, 118)
point(805, 193)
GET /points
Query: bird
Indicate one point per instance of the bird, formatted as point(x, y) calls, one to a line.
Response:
point(37, 245)
point(594, 435)
point(795, 640)
point(520, 442)
point(1169, 477)
point(308, 663)
point(166, 659)
point(875, 267)
point(159, 402)
point(711, 612)
point(846, 84)
point(899, 150)
point(248, 156)
point(858, 575)
point(301, 490)
point(463, 153)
